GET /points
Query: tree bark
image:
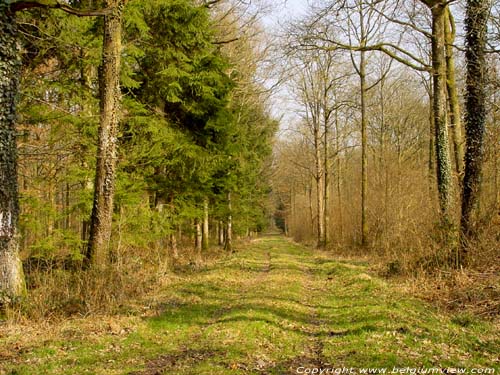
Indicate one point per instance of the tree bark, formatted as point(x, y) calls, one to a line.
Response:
point(453, 102)
point(198, 237)
point(364, 149)
point(311, 210)
point(444, 180)
point(432, 147)
point(339, 176)
point(220, 231)
point(319, 179)
point(475, 116)
point(326, 179)
point(206, 234)
point(12, 285)
point(290, 227)
point(104, 186)
point(229, 229)
point(173, 245)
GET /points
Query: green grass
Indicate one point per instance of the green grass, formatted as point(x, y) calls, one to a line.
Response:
point(268, 309)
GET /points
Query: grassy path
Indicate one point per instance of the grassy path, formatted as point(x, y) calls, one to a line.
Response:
point(272, 308)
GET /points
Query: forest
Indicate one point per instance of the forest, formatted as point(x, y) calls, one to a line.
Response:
point(233, 187)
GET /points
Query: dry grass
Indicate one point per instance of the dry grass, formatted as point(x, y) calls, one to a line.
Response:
point(475, 288)
point(413, 256)
point(56, 292)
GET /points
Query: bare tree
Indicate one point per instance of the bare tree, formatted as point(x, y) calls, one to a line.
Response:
point(354, 26)
point(317, 80)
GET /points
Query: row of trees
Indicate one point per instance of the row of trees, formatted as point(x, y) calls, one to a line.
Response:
point(139, 124)
point(376, 83)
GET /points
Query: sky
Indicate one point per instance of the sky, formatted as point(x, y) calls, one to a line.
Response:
point(282, 11)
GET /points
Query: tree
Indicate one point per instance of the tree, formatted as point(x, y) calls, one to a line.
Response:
point(477, 13)
point(12, 279)
point(184, 83)
point(452, 92)
point(11, 271)
point(359, 35)
point(439, 10)
point(110, 98)
point(318, 81)
point(205, 229)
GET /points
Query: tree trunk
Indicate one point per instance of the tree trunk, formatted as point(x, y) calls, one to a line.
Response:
point(475, 115)
point(432, 147)
point(198, 237)
point(220, 231)
point(454, 106)
point(444, 180)
point(173, 245)
point(339, 176)
point(383, 164)
point(12, 283)
point(206, 234)
point(364, 149)
point(104, 186)
point(67, 207)
point(229, 230)
point(326, 190)
point(311, 210)
point(290, 227)
point(319, 186)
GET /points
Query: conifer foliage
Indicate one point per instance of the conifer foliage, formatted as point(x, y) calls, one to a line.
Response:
point(144, 127)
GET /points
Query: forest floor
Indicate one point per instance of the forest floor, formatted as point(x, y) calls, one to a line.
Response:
point(273, 307)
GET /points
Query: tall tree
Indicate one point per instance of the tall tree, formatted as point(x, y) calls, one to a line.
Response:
point(354, 26)
point(452, 91)
point(11, 275)
point(439, 11)
point(110, 97)
point(475, 116)
point(11, 271)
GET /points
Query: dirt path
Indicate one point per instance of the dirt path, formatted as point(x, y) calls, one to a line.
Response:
point(272, 308)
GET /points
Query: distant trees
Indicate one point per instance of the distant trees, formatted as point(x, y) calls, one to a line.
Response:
point(358, 28)
point(318, 83)
point(422, 37)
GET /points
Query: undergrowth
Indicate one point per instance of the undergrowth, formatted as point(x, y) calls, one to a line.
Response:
point(56, 291)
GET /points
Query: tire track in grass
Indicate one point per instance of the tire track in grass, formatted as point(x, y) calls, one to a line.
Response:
point(185, 357)
point(269, 309)
point(313, 296)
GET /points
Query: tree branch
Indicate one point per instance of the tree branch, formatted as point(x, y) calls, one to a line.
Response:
point(226, 41)
point(19, 5)
point(382, 47)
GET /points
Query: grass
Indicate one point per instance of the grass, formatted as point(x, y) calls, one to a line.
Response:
point(268, 309)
